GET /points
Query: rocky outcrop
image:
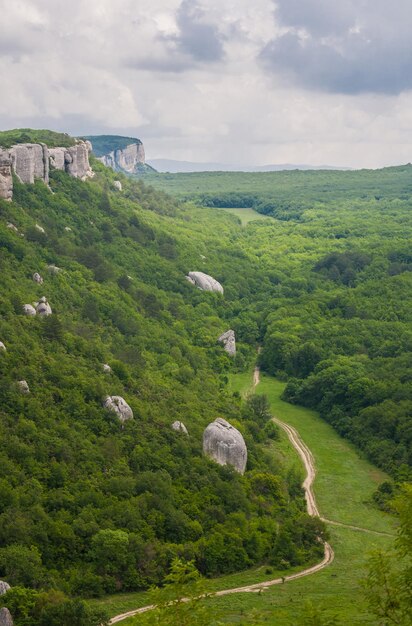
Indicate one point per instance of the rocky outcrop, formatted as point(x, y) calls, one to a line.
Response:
point(6, 177)
point(229, 342)
point(31, 161)
point(117, 185)
point(106, 368)
point(2, 347)
point(180, 427)
point(53, 269)
point(4, 587)
point(224, 444)
point(12, 227)
point(28, 309)
point(5, 617)
point(204, 282)
point(37, 278)
point(118, 405)
point(24, 386)
point(130, 159)
point(74, 160)
point(43, 308)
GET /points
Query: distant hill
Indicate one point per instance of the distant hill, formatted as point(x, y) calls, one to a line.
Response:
point(104, 144)
point(173, 166)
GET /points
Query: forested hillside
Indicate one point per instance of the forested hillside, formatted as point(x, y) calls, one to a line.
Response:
point(90, 505)
point(338, 326)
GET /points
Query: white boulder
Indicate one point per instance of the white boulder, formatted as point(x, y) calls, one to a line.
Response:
point(24, 387)
point(117, 185)
point(4, 587)
point(5, 617)
point(37, 278)
point(2, 347)
point(180, 427)
point(118, 405)
point(53, 269)
point(107, 368)
point(28, 309)
point(224, 444)
point(204, 282)
point(12, 227)
point(43, 308)
point(40, 228)
point(229, 342)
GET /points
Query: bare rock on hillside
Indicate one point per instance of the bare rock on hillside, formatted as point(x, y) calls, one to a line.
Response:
point(180, 427)
point(53, 269)
point(5, 617)
point(37, 278)
point(224, 444)
point(106, 368)
point(28, 309)
point(118, 405)
point(12, 227)
point(204, 282)
point(229, 342)
point(6, 177)
point(40, 229)
point(74, 160)
point(30, 161)
point(24, 386)
point(43, 308)
point(2, 347)
point(4, 587)
point(117, 185)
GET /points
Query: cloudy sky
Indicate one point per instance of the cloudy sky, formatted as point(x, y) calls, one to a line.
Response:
point(235, 81)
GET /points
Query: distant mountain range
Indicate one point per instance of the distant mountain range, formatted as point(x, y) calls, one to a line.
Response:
point(173, 166)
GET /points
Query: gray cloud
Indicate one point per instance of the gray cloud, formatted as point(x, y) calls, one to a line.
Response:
point(343, 47)
point(197, 38)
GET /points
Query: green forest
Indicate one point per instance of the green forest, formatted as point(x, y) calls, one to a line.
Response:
point(90, 506)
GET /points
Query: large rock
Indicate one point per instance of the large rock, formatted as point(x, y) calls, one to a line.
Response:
point(204, 281)
point(30, 161)
point(53, 269)
point(118, 405)
point(2, 347)
point(6, 177)
point(117, 185)
point(28, 309)
point(106, 368)
point(37, 278)
point(180, 427)
point(74, 160)
point(43, 308)
point(4, 587)
point(5, 617)
point(229, 342)
point(224, 444)
point(24, 386)
point(129, 159)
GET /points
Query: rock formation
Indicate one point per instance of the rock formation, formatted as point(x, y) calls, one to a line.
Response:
point(6, 178)
point(229, 342)
point(118, 405)
point(106, 368)
point(40, 229)
point(4, 587)
point(2, 347)
point(43, 308)
point(130, 159)
point(117, 185)
point(28, 309)
point(31, 161)
point(224, 444)
point(37, 278)
point(5, 617)
point(204, 282)
point(53, 269)
point(12, 227)
point(180, 427)
point(24, 386)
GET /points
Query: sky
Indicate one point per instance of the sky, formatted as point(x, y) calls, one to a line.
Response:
point(231, 81)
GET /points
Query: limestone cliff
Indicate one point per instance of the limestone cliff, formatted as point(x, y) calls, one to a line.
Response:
point(122, 154)
point(31, 161)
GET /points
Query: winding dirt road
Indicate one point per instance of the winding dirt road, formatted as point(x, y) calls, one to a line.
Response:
point(309, 464)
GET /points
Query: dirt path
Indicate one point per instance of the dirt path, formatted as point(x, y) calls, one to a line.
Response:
point(309, 464)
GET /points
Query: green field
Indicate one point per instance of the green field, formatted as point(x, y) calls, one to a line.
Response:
point(343, 488)
point(246, 215)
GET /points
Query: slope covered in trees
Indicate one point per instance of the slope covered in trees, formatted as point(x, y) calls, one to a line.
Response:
point(337, 326)
point(89, 506)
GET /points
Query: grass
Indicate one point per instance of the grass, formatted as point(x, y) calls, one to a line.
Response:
point(246, 215)
point(344, 486)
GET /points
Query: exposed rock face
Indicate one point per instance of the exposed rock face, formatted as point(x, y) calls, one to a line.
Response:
point(12, 227)
point(24, 387)
point(73, 160)
point(2, 347)
point(28, 309)
point(180, 427)
point(37, 278)
point(106, 368)
point(229, 342)
point(6, 178)
point(5, 617)
point(53, 269)
point(118, 405)
point(225, 445)
point(117, 185)
point(4, 587)
point(129, 159)
point(30, 161)
point(204, 282)
point(43, 308)
point(40, 229)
